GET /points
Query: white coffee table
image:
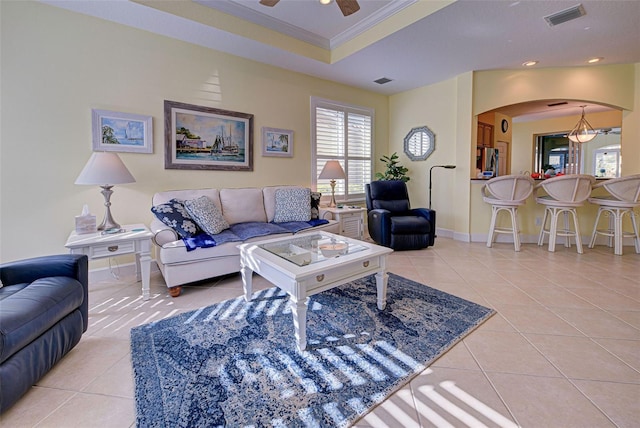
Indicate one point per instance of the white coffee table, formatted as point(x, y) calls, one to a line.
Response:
point(297, 265)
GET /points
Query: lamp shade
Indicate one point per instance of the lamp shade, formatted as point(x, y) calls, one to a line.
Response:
point(105, 168)
point(332, 170)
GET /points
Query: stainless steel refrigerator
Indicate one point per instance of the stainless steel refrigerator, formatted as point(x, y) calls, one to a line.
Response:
point(490, 161)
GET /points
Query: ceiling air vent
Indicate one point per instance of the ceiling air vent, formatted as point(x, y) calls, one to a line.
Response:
point(565, 15)
point(561, 103)
point(382, 81)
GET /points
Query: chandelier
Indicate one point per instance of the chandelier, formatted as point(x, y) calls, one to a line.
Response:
point(583, 132)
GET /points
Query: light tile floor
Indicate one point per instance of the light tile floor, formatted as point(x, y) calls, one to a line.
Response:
point(562, 351)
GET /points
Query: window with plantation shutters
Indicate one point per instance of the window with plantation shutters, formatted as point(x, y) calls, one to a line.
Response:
point(344, 133)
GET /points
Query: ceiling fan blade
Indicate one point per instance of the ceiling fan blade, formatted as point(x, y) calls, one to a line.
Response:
point(348, 6)
point(269, 3)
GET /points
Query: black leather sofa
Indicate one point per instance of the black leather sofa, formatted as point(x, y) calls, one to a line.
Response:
point(44, 310)
point(391, 220)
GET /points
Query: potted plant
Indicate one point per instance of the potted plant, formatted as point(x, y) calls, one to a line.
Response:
point(394, 170)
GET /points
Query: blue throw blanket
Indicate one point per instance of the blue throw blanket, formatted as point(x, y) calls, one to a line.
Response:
point(242, 231)
point(297, 226)
point(252, 229)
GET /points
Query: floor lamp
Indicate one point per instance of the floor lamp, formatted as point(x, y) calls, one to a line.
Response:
point(430, 182)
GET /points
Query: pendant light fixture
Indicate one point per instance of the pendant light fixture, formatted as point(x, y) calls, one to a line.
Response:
point(583, 132)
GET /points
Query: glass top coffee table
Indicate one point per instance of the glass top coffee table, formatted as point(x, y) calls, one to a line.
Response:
point(307, 264)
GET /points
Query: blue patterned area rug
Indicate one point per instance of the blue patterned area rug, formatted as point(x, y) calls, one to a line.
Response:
point(235, 363)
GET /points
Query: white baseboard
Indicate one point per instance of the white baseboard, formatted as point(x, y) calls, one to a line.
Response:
point(504, 238)
point(533, 239)
point(524, 239)
point(462, 237)
point(444, 233)
point(603, 240)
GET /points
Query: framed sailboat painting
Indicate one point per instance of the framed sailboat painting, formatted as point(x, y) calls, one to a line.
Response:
point(121, 132)
point(207, 138)
point(277, 142)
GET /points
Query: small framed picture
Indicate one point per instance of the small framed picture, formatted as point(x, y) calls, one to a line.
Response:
point(121, 132)
point(277, 142)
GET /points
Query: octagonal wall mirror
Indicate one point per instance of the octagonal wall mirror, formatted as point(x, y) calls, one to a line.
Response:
point(419, 143)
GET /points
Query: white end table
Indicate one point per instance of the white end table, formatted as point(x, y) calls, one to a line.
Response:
point(136, 239)
point(351, 220)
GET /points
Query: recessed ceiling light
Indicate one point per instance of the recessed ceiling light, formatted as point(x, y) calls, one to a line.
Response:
point(594, 60)
point(325, 1)
point(529, 63)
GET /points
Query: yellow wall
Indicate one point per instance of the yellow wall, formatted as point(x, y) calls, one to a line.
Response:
point(522, 161)
point(631, 131)
point(606, 84)
point(408, 110)
point(445, 108)
point(612, 85)
point(58, 65)
point(444, 103)
point(524, 132)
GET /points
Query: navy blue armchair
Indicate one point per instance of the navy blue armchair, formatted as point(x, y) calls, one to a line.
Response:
point(43, 313)
point(392, 221)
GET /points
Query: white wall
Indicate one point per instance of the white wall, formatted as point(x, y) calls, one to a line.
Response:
point(58, 65)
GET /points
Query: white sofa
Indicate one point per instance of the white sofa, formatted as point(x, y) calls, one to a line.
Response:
point(179, 266)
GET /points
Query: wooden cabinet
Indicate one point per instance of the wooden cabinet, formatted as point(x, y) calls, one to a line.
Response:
point(485, 135)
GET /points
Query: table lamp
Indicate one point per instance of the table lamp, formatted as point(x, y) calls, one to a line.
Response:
point(332, 171)
point(105, 169)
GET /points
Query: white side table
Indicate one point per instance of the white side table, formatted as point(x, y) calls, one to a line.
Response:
point(351, 220)
point(136, 239)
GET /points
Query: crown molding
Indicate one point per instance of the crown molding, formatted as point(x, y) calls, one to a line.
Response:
point(369, 22)
point(238, 10)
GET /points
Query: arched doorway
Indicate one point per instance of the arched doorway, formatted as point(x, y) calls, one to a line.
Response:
point(532, 135)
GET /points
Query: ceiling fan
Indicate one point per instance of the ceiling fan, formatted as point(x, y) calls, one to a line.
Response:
point(346, 6)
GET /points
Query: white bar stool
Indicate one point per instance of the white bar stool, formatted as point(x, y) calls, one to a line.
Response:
point(506, 193)
point(623, 197)
point(563, 195)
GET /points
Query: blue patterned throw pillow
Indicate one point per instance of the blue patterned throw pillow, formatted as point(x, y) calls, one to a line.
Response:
point(292, 204)
point(175, 215)
point(207, 215)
